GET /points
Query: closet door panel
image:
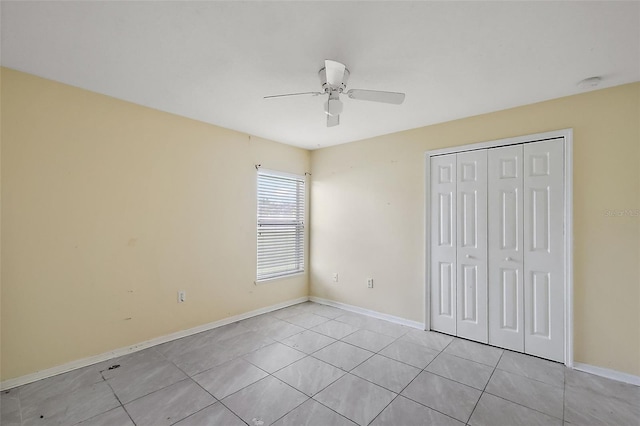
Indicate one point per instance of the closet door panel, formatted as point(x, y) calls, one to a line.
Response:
point(443, 243)
point(506, 254)
point(471, 277)
point(544, 249)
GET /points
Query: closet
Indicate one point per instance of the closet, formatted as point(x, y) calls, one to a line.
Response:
point(497, 248)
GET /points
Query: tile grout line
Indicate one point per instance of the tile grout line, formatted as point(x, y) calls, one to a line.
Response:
point(197, 384)
point(564, 393)
point(202, 409)
point(387, 406)
point(309, 398)
point(485, 388)
point(233, 393)
point(453, 380)
point(273, 376)
point(517, 403)
point(117, 398)
point(402, 362)
point(521, 405)
point(311, 331)
point(244, 387)
point(538, 381)
point(423, 370)
point(20, 409)
point(470, 360)
point(406, 386)
point(349, 372)
point(319, 402)
point(526, 377)
point(390, 390)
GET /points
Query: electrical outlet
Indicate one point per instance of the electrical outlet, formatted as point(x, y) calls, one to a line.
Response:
point(335, 277)
point(370, 282)
point(182, 296)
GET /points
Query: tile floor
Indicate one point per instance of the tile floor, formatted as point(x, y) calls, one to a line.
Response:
point(311, 364)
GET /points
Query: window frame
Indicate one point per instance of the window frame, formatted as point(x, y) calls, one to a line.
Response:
point(300, 252)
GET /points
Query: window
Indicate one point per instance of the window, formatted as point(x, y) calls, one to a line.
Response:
point(280, 224)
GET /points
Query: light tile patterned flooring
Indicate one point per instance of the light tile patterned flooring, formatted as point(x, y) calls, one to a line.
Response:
point(311, 364)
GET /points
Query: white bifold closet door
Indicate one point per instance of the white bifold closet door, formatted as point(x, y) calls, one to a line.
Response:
point(497, 246)
point(506, 251)
point(471, 276)
point(443, 243)
point(526, 250)
point(544, 249)
point(459, 244)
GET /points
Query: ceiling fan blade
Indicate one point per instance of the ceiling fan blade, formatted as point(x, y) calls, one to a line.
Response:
point(334, 72)
point(376, 96)
point(294, 94)
point(333, 120)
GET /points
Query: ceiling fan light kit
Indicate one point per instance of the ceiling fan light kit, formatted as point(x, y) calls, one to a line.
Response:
point(333, 80)
point(334, 76)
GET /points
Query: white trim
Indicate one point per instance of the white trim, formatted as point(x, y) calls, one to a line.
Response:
point(278, 173)
point(368, 312)
point(567, 136)
point(537, 137)
point(279, 277)
point(568, 247)
point(607, 373)
point(73, 365)
point(427, 242)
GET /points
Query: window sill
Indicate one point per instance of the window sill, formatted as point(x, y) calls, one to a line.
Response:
point(281, 277)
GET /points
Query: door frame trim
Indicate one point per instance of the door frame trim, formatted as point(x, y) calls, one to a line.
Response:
point(567, 136)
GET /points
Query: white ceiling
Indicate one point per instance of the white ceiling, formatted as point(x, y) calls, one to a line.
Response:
point(214, 61)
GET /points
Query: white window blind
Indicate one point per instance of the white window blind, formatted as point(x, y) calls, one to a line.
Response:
point(280, 224)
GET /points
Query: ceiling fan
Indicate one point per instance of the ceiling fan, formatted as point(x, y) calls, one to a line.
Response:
point(333, 78)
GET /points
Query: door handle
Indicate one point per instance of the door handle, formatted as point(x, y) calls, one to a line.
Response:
point(508, 259)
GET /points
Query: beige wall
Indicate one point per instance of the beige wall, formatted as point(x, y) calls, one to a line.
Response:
point(367, 215)
point(109, 209)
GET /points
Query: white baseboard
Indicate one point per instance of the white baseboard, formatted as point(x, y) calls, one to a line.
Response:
point(607, 373)
point(368, 312)
point(84, 362)
point(73, 365)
